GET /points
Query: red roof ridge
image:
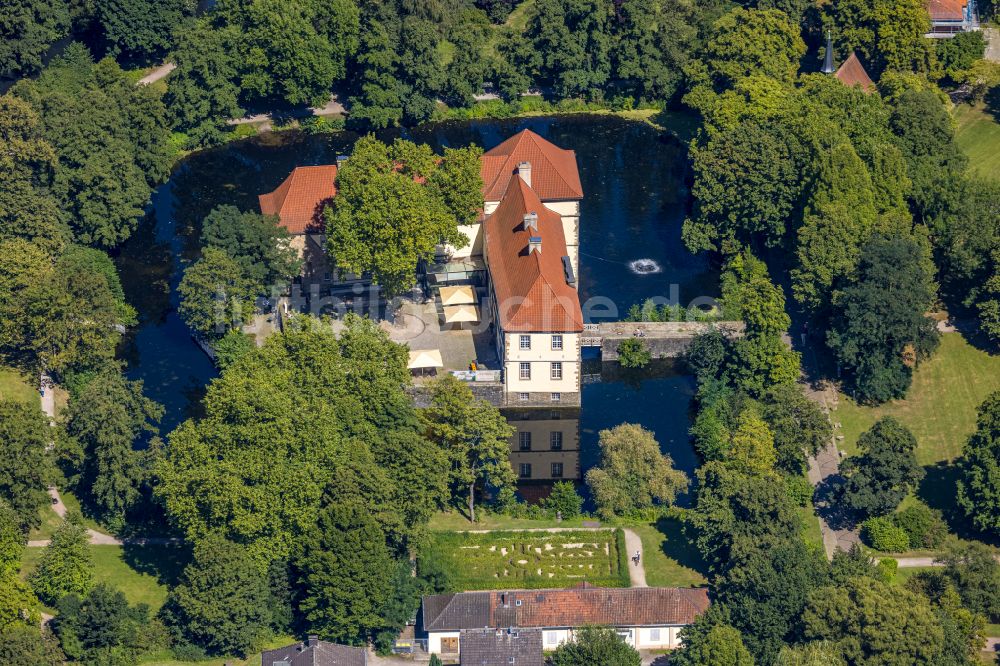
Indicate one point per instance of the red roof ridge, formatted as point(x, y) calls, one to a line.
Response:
point(299, 199)
point(852, 73)
point(554, 170)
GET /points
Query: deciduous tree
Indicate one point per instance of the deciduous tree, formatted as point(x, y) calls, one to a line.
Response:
point(216, 295)
point(221, 600)
point(633, 473)
point(67, 566)
point(475, 437)
point(25, 466)
point(883, 472)
point(596, 645)
point(979, 484)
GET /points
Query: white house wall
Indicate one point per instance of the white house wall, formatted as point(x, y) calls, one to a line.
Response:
point(641, 638)
point(541, 356)
point(434, 640)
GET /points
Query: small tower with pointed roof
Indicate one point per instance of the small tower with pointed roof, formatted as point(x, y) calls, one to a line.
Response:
point(828, 58)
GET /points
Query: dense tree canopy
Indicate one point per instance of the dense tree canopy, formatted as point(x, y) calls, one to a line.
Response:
point(878, 327)
point(256, 242)
point(139, 30)
point(596, 645)
point(106, 421)
point(229, 471)
point(979, 484)
point(66, 566)
point(26, 467)
point(385, 219)
point(27, 29)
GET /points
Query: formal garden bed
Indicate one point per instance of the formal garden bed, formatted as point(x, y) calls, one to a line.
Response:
point(525, 559)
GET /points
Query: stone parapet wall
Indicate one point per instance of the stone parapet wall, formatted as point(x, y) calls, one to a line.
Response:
point(663, 339)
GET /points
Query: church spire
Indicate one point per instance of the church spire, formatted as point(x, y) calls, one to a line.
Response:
point(828, 59)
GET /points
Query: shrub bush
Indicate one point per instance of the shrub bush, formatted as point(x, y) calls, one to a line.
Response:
point(887, 569)
point(799, 490)
point(882, 534)
point(924, 526)
point(633, 353)
point(564, 500)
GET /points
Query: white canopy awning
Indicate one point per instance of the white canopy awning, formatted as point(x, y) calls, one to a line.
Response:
point(455, 314)
point(460, 295)
point(425, 358)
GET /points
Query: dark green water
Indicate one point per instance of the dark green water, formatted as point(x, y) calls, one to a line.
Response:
point(633, 180)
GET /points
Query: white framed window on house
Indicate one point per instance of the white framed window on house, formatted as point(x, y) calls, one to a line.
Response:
point(524, 441)
point(557, 469)
point(525, 371)
point(523, 397)
point(556, 370)
point(557, 343)
point(555, 441)
point(524, 470)
point(654, 635)
point(551, 638)
point(556, 397)
point(525, 342)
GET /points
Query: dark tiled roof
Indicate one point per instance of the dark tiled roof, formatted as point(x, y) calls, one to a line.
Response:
point(531, 288)
point(322, 654)
point(554, 174)
point(299, 200)
point(469, 610)
point(852, 73)
point(497, 647)
point(576, 607)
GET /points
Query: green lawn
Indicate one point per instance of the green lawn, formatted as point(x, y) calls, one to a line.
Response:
point(15, 386)
point(140, 572)
point(811, 532)
point(519, 559)
point(940, 407)
point(51, 521)
point(978, 136)
point(670, 560)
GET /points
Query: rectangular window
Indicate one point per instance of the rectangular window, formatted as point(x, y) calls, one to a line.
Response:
point(555, 441)
point(523, 397)
point(326, 277)
point(524, 441)
point(525, 342)
point(557, 370)
point(557, 470)
point(556, 397)
point(525, 471)
point(654, 635)
point(556, 343)
point(525, 371)
point(551, 638)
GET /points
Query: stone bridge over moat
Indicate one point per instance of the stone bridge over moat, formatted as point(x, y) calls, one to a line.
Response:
point(663, 339)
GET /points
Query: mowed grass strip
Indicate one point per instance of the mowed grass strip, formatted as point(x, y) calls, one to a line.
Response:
point(978, 135)
point(519, 559)
point(940, 407)
point(16, 386)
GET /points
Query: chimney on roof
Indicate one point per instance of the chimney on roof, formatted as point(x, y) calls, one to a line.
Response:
point(828, 57)
point(313, 640)
point(524, 171)
point(534, 244)
point(531, 222)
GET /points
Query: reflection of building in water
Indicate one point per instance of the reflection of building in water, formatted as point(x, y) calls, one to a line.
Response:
point(544, 449)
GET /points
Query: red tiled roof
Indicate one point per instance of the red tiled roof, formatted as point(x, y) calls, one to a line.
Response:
point(299, 201)
point(852, 73)
point(946, 10)
point(554, 174)
point(531, 289)
point(576, 607)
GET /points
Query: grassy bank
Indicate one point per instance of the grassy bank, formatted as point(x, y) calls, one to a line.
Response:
point(940, 407)
point(16, 386)
point(978, 135)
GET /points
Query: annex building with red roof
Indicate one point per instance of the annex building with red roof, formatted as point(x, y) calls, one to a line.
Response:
point(950, 17)
point(647, 618)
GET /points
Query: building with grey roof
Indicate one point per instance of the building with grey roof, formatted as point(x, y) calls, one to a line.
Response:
point(315, 652)
point(502, 647)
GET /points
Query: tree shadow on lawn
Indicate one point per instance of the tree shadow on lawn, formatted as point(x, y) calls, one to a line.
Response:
point(939, 490)
point(826, 500)
point(678, 547)
point(165, 562)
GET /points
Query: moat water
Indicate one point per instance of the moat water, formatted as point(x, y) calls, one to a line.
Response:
point(634, 204)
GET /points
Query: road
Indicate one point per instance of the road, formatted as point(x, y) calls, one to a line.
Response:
point(158, 73)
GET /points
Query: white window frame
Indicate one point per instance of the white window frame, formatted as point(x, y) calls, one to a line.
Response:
point(554, 436)
point(524, 342)
point(555, 397)
point(551, 637)
point(552, 469)
point(523, 397)
point(557, 342)
point(522, 468)
point(555, 371)
point(524, 371)
point(654, 635)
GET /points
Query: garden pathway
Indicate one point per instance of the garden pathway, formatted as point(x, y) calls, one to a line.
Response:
point(633, 544)
point(158, 73)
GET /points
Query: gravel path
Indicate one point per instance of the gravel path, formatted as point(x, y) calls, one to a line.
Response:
point(158, 73)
